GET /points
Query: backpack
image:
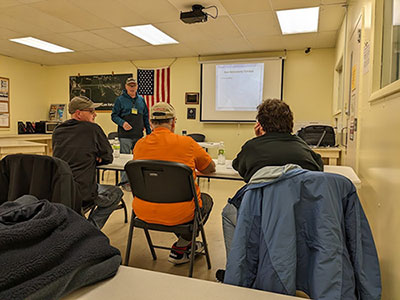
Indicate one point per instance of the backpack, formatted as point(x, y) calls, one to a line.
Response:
point(318, 135)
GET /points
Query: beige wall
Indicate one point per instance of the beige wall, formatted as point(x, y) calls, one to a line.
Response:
point(307, 86)
point(378, 151)
point(28, 91)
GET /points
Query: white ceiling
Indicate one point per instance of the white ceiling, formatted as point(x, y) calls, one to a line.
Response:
point(92, 28)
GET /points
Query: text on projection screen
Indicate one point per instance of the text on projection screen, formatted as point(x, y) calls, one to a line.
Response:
point(239, 87)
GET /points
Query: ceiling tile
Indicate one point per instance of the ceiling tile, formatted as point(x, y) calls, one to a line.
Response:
point(240, 7)
point(92, 39)
point(182, 32)
point(25, 13)
point(92, 28)
point(299, 41)
point(184, 5)
point(71, 13)
point(154, 11)
point(221, 28)
point(65, 41)
point(257, 24)
point(331, 17)
point(117, 14)
point(7, 33)
point(22, 27)
point(119, 36)
point(290, 4)
point(8, 3)
point(333, 1)
point(178, 50)
point(267, 43)
point(325, 39)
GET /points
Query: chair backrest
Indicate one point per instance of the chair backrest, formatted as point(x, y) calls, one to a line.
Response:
point(42, 176)
point(112, 135)
point(161, 181)
point(198, 137)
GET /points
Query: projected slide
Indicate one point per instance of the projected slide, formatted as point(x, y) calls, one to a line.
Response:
point(239, 87)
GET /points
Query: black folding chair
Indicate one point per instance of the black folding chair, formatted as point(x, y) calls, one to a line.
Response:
point(165, 182)
point(198, 137)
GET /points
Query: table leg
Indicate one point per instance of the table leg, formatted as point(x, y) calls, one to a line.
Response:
point(332, 161)
point(116, 177)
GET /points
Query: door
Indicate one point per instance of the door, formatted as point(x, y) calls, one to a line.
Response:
point(351, 103)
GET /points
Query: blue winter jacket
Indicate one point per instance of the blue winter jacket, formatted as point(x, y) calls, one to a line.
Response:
point(307, 231)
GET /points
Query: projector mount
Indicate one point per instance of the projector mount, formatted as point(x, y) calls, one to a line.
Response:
point(197, 15)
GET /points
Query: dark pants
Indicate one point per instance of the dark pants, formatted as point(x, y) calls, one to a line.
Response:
point(205, 213)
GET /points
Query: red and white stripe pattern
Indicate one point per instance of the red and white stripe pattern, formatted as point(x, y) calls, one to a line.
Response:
point(154, 85)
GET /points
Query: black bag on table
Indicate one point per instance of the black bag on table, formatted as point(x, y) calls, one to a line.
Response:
point(318, 135)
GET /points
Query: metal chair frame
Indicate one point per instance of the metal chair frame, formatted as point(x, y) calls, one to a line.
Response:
point(143, 175)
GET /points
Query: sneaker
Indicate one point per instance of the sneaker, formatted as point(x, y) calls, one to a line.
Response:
point(177, 255)
point(220, 275)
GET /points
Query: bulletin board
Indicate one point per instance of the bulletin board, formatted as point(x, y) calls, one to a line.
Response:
point(4, 102)
point(99, 88)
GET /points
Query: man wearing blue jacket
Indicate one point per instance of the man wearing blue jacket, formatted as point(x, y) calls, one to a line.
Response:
point(131, 115)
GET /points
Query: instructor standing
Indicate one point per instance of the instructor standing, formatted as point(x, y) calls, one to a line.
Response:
point(131, 115)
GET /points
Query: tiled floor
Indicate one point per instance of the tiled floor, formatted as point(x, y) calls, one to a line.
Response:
point(117, 231)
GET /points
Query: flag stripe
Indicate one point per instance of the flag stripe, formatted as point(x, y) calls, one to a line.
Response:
point(157, 81)
point(168, 70)
point(154, 85)
point(163, 98)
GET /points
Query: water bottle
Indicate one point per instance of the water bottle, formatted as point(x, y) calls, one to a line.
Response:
point(221, 154)
point(116, 147)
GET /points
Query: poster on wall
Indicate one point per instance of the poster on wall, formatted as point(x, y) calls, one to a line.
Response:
point(99, 88)
point(4, 102)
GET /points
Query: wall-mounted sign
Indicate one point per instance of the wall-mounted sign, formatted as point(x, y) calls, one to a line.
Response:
point(191, 98)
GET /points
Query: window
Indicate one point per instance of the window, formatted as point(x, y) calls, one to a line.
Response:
point(391, 42)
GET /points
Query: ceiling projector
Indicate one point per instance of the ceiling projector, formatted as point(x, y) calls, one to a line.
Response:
point(195, 16)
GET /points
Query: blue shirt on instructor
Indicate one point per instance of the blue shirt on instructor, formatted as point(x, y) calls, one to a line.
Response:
point(131, 115)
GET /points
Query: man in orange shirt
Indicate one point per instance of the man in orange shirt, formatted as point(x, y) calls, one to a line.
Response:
point(164, 144)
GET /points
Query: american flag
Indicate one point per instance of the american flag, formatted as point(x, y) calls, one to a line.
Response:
point(154, 85)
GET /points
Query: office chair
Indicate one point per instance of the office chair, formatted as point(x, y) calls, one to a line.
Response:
point(42, 176)
point(198, 137)
point(166, 176)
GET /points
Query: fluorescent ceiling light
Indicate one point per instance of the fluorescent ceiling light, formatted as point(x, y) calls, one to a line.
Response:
point(150, 34)
point(36, 43)
point(298, 20)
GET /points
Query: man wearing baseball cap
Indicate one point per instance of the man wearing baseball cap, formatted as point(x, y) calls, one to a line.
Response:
point(131, 115)
point(83, 145)
point(164, 144)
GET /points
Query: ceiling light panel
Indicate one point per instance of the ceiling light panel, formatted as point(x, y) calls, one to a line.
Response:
point(150, 34)
point(301, 20)
point(42, 45)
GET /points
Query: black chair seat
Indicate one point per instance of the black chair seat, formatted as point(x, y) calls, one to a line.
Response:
point(143, 176)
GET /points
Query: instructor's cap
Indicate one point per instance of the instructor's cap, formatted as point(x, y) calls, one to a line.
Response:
point(162, 110)
point(81, 103)
point(131, 80)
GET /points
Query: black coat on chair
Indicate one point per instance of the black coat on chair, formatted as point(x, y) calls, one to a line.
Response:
point(42, 176)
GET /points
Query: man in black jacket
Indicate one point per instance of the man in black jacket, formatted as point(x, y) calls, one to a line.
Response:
point(274, 144)
point(83, 145)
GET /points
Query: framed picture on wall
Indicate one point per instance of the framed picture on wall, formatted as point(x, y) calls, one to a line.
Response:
point(4, 102)
point(191, 98)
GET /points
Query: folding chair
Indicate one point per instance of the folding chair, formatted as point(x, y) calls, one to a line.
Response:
point(198, 137)
point(165, 182)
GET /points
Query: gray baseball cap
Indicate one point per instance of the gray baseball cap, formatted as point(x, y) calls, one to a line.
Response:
point(81, 103)
point(162, 110)
point(131, 80)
